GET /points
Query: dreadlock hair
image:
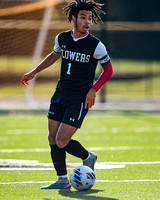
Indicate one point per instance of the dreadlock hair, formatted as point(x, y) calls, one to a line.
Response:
point(74, 7)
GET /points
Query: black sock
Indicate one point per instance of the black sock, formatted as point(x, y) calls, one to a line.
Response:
point(58, 158)
point(76, 149)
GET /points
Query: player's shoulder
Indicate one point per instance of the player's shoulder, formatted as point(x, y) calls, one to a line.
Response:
point(64, 34)
point(92, 37)
point(99, 45)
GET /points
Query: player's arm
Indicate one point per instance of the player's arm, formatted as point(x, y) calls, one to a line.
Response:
point(104, 76)
point(48, 61)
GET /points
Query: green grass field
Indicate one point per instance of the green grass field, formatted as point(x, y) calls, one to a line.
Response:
point(127, 145)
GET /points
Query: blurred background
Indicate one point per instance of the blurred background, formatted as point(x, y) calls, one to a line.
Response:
point(131, 33)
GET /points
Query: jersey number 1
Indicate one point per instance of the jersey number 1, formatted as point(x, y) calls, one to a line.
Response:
point(69, 68)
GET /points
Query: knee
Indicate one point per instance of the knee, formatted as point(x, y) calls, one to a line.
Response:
point(51, 139)
point(61, 143)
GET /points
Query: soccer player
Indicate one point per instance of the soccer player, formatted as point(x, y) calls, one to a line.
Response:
point(75, 92)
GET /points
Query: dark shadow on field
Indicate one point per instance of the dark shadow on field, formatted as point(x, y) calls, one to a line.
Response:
point(83, 194)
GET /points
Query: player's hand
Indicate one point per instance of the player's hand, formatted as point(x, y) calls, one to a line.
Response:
point(26, 77)
point(90, 98)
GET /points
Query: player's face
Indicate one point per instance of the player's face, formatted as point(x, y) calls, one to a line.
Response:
point(83, 21)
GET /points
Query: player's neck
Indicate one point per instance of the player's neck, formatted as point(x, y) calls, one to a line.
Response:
point(76, 34)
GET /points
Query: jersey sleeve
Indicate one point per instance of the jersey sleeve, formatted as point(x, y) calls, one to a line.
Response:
point(101, 54)
point(56, 49)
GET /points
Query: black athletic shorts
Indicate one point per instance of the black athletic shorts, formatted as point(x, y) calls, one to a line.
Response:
point(71, 114)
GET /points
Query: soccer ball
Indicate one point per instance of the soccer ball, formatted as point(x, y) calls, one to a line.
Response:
point(82, 178)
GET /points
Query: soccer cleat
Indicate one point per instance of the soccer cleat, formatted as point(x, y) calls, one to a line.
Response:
point(90, 162)
point(61, 183)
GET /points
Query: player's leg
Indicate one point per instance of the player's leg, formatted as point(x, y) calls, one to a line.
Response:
point(55, 115)
point(64, 141)
point(58, 155)
point(52, 130)
point(73, 118)
point(73, 147)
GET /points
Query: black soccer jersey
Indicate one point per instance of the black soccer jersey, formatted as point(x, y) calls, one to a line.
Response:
point(79, 61)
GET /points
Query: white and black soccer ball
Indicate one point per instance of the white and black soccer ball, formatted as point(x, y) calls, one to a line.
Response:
point(82, 178)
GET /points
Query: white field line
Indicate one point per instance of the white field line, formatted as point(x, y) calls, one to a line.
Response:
point(29, 169)
point(133, 163)
point(120, 163)
point(4, 138)
point(125, 181)
point(13, 164)
point(122, 148)
point(24, 150)
point(99, 130)
point(51, 168)
point(25, 131)
point(118, 130)
point(100, 181)
point(20, 165)
point(95, 138)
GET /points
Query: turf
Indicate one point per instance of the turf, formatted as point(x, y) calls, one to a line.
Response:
point(116, 137)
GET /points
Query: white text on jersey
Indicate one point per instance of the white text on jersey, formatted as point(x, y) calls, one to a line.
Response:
point(71, 55)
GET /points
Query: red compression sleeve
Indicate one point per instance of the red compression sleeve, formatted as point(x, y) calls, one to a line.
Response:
point(104, 76)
